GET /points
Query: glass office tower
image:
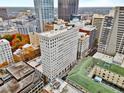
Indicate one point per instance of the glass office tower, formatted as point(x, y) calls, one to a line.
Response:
point(44, 12)
point(66, 8)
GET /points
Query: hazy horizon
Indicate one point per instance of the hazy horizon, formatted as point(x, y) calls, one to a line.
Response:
point(82, 3)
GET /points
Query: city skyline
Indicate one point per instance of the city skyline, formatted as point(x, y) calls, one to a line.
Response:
point(82, 3)
point(61, 46)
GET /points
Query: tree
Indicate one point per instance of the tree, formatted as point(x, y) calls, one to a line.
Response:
point(19, 37)
point(8, 37)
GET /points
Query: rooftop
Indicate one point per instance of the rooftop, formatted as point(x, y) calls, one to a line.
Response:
point(83, 35)
point(20, 70)
point(98, 16)
point(119, 58)
point(89, 28)
point(54, 33)
point(36, 63)
point(60, 86)
point(3, 73)
point(13, 86)
point(79, 75)
point(3, 41)
point(103, 57)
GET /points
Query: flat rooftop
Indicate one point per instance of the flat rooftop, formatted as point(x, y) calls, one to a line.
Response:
point(3, 41)
point(119, 58)
point(36, 63)
point(13, 86)
point(54, 33)
point(103, 57)
point(89, 28)
point(63, 88)
point(79, 75)
point(3, 73)
point(20, 70)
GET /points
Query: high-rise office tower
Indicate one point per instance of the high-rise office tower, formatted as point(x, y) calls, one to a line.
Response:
point(66, 8)
point(5, 52)
point(3, 13)
point(59, 52)
point(116, 37)
point(105, 34)
point(44, 12)
point(97, 21)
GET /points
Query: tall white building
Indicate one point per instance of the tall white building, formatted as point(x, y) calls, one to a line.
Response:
point(5, 52)
point(59, 51)
point(115, 40)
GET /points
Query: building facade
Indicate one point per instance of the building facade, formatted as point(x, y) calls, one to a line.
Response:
point(34, 39)
point(83, 45)
point(25, 27)
point(5, 52)
point(91, 31)
point(97, 21)
point(16, 81)
point(59, 51)
point(44, 10)
point(66, 8)
point(105, 33)
point(109, 76)
point(114, 43)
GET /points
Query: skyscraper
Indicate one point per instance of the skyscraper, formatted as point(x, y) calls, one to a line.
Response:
point(97, 21)
point(3, 13)
point(105, 34)
point(59, 52)
point(66, 8)
point(44, 12)
point(115, 41)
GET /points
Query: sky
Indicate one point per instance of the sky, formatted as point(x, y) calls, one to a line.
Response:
point(82, 3)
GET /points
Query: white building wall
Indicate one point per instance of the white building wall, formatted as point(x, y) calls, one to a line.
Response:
point(59, 52)
point(5, 51)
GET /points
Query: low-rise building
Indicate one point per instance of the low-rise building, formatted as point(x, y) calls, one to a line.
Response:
point(34, 39)
point(11, 31)
point(119, 59)
point(24, 79)
point(6, 56)
point(59, 86)
point(91, 31)
point(109, 76)
point(27, 53)
point(84, 76)
point(103, 57)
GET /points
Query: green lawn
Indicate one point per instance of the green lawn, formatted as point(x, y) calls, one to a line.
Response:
point(79, 75)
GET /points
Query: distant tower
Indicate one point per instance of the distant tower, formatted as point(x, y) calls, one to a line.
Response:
point(3, 13)
point(97, 21)
point(44, 12)
point(66, 8)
